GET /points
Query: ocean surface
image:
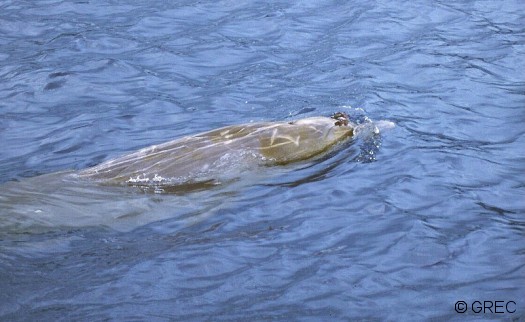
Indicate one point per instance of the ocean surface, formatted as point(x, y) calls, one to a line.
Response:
point(397, 226)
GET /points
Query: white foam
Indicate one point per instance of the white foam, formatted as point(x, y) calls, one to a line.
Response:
point(139, 179)
point(384, 125)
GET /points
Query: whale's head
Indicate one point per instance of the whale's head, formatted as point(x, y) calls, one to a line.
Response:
point(209, 154)
point(305, 138)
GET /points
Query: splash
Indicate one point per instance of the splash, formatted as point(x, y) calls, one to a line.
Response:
point(368, 133)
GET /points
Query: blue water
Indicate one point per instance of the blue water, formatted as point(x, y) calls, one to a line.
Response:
point(437, 216)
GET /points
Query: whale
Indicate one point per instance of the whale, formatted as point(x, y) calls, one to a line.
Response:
point(204, 157)
point(185, 180)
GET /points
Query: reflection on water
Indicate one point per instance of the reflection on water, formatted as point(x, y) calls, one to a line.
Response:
point(434, 215)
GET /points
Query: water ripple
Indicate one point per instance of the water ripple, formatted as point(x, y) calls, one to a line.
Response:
point(434, 217)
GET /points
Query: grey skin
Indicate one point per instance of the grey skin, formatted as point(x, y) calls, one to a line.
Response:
point(204, 156)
